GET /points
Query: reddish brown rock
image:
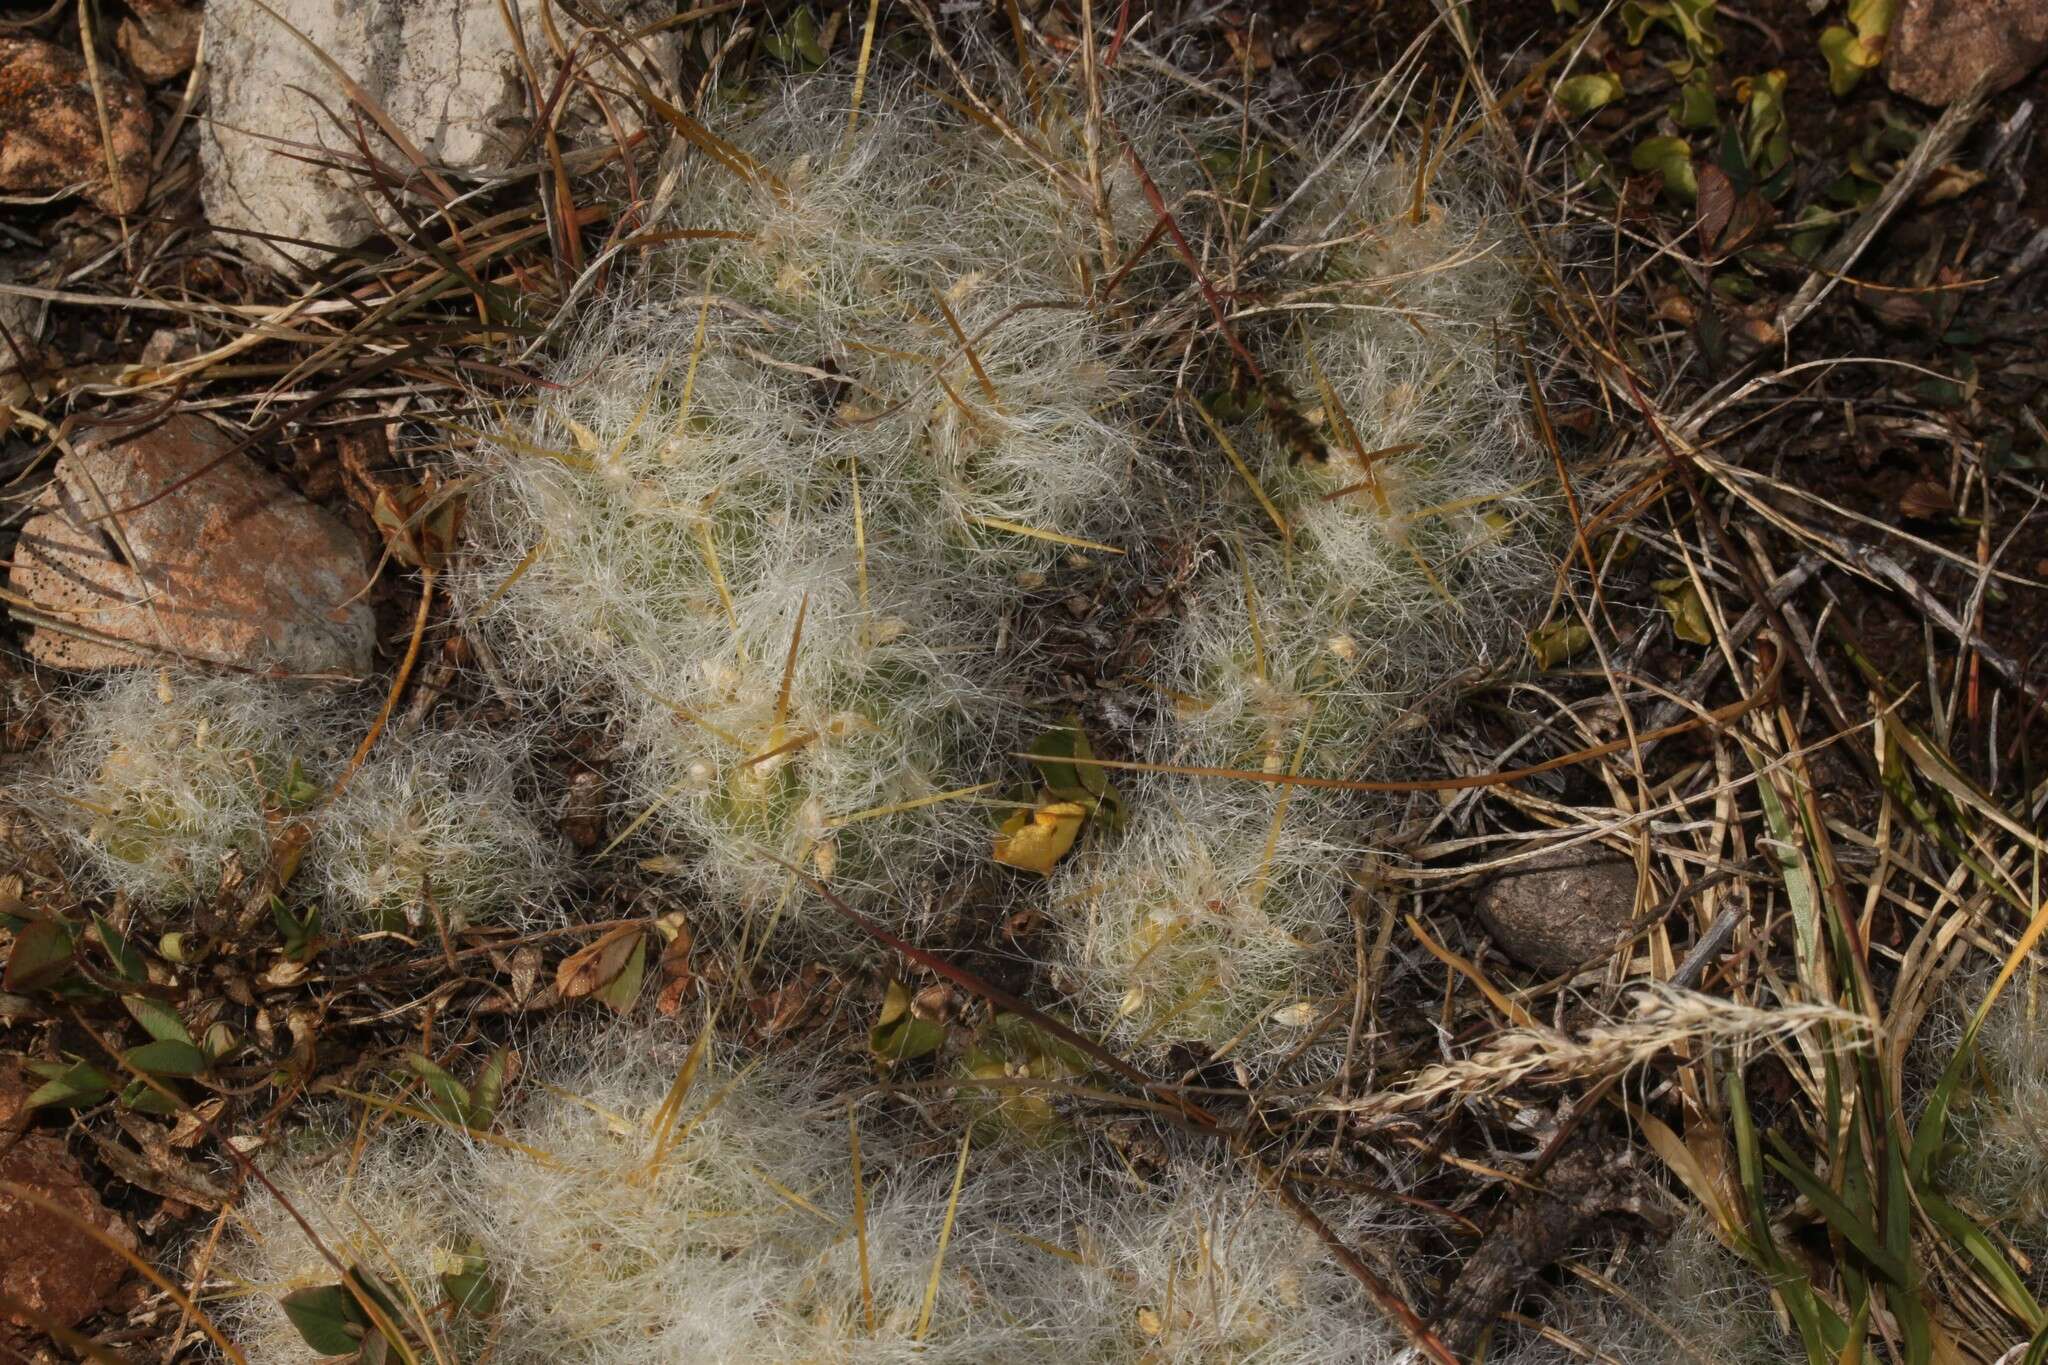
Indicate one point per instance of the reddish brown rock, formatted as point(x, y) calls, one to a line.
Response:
point(160, 41)
point(229, 565)
point(1938, 48)
point(52, 1269)
point(1561, 910)
point(50, 127)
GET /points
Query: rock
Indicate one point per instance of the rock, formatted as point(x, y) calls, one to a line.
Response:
point(51, 1268)
point(1560, 910)
point(237, 568)
point(1938, 48)
point(447, 72)
point(50, 127)
point(160, 40)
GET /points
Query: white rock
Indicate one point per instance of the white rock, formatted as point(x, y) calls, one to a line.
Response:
point(446, 72)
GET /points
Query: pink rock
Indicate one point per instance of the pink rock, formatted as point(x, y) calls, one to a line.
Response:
point(53, 1268)
point(50, 126)
point(1938, 48)
point(229, 565)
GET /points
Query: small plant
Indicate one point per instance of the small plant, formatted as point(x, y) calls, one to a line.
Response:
point(434, 830)
point(166, 778)
point(776, 505)
point(1388, 511)
point(1210, 922)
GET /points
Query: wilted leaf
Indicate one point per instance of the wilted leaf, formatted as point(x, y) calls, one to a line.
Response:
point(598, 965)
point(1581, 95)
point(899, 1035)
point(1557, 642)
point(41, 956)
point(1688, 613)
point(622, 990)
point(1716, 202)
point(1857, 47)
point(326, 1319)
point(1033, 840)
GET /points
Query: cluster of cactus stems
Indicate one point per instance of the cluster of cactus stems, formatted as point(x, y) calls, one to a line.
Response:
point(778, 508)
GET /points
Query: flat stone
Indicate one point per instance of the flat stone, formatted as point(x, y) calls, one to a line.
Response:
point(160, 41)
point(50, 127)
point(446, 72)
point(52, 1268)
point(1560, 910)
point(229, 565)
point(1938, 48)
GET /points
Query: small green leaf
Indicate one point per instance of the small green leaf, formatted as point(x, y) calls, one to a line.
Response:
point(489, 1088)
point(1688, 614)
point(159, 1020)
point(120, 952)
point(450, 1096)
point(145, 1098)
point(470, 1288)
point(325, 1318)
point(1581, 95)
point(1557, 642)
point(1696, 107)
point(72, 1085)
point(1670, 158)
point(899, 1035)
point(41, 956)
point(166, 1058)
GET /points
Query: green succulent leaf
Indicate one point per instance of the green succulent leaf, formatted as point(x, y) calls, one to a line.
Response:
point(1581, 95)
point(1689, 620)
point(1671, 159)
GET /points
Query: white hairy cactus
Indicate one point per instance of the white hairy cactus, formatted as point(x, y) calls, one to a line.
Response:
point(775, 500)
point(434, 831)
point(1386, 516)
point(166, 776)
point(635, 1206)
point(1212, 920)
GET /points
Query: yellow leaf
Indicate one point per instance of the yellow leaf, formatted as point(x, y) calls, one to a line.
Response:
point(1036, 839)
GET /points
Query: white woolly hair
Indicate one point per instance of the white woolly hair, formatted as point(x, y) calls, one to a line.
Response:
point(1211, 1267)
point(435, 828)
point(165, 776)
point(1999, 1123)
point(1213, 920)
point(1405, 555)
point(627, 1222)
point(773, 501)
point(1687, 1300)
